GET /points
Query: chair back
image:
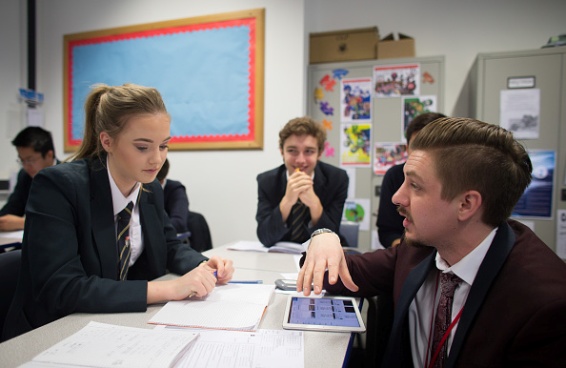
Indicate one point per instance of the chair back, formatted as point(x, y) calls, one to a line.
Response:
point(350, 231)
point(9, 274)
point(200, 238)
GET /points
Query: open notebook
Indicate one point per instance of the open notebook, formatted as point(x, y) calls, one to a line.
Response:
point(229, 307)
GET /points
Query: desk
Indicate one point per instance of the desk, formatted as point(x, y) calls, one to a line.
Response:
point(11, 239)
point(257, 261)
point(321, 349)
point(7, 237)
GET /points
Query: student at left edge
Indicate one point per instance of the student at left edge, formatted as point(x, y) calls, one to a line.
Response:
point(35, 152)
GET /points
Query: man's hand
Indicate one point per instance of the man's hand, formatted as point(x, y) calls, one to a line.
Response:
point(11, 223)
point(325, 252)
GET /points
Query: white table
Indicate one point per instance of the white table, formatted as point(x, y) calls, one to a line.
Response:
point(11, 237)
point(322, 349)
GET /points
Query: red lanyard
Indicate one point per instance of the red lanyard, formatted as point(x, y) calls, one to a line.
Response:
point(446, 334)
point(444, 338)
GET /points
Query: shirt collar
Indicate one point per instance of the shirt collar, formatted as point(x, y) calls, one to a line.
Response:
point(119, 202)
point(467, 268)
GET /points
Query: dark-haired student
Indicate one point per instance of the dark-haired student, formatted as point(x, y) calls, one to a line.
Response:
point(96, 232)
point(472, 288)
point(176, 199)
point(389, 222)
point(35, 152)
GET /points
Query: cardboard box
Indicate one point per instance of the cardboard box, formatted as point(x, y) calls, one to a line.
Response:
point(389, 47)
point(344, 45)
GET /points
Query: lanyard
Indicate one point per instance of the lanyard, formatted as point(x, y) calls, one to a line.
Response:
point(446, 334)
point(444, 338)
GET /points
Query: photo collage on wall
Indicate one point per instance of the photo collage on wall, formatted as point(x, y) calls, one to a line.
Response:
point(357, 146)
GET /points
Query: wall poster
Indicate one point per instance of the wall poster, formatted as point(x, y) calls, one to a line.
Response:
point(209, 70)
point(397, 80)
point(537, 199)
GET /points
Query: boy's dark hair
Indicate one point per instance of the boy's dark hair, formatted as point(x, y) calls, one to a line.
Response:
point(419, 122)
point(37, 138)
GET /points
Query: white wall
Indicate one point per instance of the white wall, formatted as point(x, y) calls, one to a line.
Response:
point(12, 77)
point(221, 184)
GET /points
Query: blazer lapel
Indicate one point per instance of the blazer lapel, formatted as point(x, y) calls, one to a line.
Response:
point(396, 349)
point(102, 217)
point(494, 260)
point(319, 180)
point(489, 268)
point(279, 192)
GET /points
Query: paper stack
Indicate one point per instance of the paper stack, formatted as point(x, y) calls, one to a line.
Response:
point(104, 346)
point(229, 307)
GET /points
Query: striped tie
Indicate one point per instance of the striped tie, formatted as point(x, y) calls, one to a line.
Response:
point(124, 249)
point(298, 217)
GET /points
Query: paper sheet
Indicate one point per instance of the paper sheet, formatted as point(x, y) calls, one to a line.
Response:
point(105, 345)
point(231, 306)
point(279, 247)
point(246, 245)
point(231, 349)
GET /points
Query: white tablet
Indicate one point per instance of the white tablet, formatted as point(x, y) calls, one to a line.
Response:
point(329, 313)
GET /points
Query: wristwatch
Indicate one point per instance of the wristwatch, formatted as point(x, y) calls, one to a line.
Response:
point(321, 231)
point(318, 232)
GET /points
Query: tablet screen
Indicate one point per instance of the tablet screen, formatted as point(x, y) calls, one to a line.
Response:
point(323, 314)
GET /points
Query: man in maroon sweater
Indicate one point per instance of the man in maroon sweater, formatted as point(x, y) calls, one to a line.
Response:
point(462, 180)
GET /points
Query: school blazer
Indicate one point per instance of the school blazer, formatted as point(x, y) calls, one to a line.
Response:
point(69, 252)
point(177, 204)
point(330, 185)
point(16, 203)
point(515, 314)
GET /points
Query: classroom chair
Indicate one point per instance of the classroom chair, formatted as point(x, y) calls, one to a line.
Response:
point(349, 231)
point(199, 238)
point(9, 274)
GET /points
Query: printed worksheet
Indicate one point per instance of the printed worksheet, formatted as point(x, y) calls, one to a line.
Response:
point(234, 349)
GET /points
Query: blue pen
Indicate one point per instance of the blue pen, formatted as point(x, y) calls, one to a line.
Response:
point(246, 282)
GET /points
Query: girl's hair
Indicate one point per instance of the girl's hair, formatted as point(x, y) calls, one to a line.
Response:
point(108, 108)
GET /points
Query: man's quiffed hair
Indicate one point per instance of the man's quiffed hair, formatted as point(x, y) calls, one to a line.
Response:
point(472, 155)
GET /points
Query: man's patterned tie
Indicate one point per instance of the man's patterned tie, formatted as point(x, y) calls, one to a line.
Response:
point(448, 284)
